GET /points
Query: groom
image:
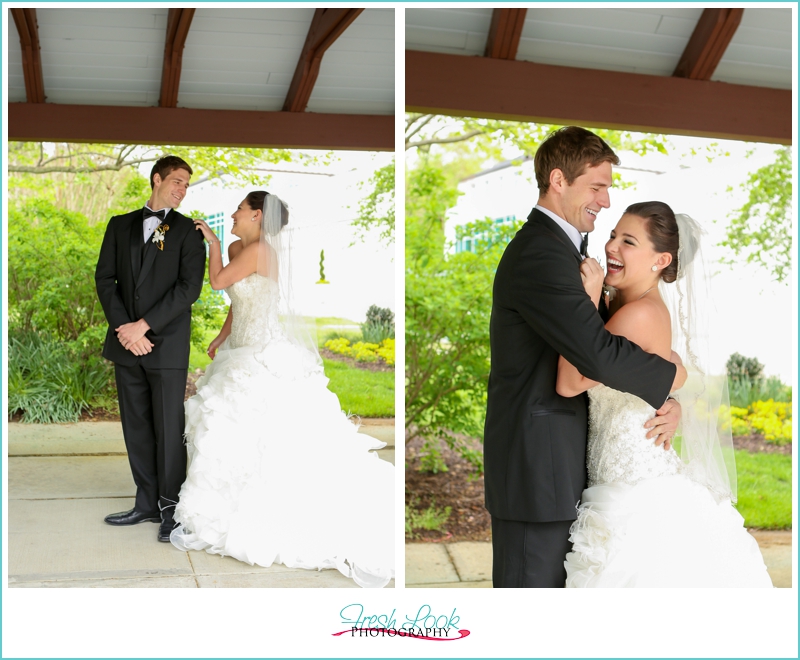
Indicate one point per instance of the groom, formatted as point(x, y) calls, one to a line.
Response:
point(149, 272)
point(535, 440)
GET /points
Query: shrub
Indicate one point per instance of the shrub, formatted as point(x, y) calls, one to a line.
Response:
point(432, 518)
point(50, 381)
point(769, 418)
point(746, 382)
point(363, 351)
point(378, 326)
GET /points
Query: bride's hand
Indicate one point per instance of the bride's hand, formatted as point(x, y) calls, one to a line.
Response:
point(592, 275)
point(213, 346)
point(208, 234)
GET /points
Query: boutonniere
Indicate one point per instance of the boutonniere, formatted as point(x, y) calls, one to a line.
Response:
point(159, 235)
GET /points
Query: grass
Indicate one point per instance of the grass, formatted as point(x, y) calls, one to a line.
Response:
point(765, 489)
point(431, 519)
point(198, 358)
point(361, 392)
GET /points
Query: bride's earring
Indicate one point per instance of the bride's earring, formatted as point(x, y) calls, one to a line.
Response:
point(654, 268)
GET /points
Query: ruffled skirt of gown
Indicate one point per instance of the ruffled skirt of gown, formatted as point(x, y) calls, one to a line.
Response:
point(667, 531)
point(643, 521)
point(277, 473)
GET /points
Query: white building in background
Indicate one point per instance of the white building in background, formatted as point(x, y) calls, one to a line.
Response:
point(753, 314)
point(504, 193)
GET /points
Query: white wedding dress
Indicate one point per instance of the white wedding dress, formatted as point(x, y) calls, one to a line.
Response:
point(643, 521)
point(277, 473)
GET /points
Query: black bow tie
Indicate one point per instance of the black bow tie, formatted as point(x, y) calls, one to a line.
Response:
point(584, 244)
point(161, 215)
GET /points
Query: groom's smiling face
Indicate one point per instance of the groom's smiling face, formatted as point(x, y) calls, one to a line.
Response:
point(170, 191)
point(582, 200)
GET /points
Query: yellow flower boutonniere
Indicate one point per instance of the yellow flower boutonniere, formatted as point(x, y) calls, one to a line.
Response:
point(159, 235)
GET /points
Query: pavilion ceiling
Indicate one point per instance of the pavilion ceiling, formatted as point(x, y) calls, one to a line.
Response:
point(283, 77)
point(717, 72)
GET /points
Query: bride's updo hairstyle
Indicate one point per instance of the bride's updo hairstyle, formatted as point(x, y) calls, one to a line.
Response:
point(662, 230)
point(255, 200)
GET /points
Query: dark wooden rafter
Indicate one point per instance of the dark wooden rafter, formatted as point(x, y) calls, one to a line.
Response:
point(51, 122)
point(708, 43)
point(326, 27)
point(178, 23)
point(504, 33)
point(28, 29)
point(458, 85)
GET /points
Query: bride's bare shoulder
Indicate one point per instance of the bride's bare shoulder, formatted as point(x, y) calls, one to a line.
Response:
point(234, 249)
point(645, 322)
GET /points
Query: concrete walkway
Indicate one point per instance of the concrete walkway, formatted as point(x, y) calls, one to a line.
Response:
point(468, 564)
point(65, 478)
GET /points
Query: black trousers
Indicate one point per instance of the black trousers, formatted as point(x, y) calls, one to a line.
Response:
point(151, 408)
point(527, 554)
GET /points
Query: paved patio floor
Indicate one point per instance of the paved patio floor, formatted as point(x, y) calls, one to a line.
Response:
point(469, 564)
point(65, 478)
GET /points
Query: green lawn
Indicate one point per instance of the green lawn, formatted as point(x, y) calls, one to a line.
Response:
point(765, 489)
point(361, 392)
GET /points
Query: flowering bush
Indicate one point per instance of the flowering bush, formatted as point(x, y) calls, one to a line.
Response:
point(363, 351)
point(772, 419)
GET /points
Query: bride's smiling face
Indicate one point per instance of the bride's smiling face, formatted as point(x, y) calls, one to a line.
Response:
point(630, 255)
point(246, 221)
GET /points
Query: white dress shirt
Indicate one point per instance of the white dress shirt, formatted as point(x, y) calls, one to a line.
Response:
point(152, 222)
point(571, 231)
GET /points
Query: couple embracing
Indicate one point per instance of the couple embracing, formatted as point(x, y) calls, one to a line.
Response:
point(266, 443)
point(583, 484)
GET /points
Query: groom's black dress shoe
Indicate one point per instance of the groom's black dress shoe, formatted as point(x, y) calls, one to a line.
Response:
point(164, 530)
point(132, 517)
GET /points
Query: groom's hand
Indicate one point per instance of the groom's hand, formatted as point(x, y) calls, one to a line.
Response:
point(130, 333)
point(141, 347)
point(664, 425)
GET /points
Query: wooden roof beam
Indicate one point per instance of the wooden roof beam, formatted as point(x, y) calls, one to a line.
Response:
point(708, 43)
point(178, 23)
point(463, 86)
point(54, 122)
point(28, 29)
point(504, 33)
point(326, 27)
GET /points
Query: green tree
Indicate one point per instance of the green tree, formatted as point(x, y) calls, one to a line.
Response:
point(761, 230)
point(93, 179)
point(376, 210)
point(448, 302)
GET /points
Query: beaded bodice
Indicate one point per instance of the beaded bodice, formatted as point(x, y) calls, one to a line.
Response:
point(618, 450)
point(254, 301)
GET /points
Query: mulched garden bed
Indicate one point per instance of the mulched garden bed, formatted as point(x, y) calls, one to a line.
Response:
point(378, 365)
point(469, 520)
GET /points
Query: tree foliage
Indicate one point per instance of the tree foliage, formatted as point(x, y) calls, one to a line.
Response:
point(761, 230)
point(376, 210)
point(93, 179)
point(448, 302)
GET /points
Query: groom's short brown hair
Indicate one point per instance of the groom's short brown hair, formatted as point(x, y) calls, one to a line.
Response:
point(570, 149)
point(165, 165)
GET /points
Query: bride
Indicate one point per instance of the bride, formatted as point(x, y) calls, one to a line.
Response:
point(651, 518)
point(277, 473)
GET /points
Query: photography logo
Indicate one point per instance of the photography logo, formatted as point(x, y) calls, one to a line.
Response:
point(425, 625)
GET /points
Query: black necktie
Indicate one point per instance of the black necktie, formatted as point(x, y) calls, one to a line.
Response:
point(149, 213)
point(584, 244)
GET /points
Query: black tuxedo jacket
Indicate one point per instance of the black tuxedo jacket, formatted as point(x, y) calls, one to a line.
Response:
point(159, 286)
point(535, 440)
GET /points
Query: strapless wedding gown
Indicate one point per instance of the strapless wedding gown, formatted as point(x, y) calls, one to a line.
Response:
point(276, 472)
point(643, 521)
